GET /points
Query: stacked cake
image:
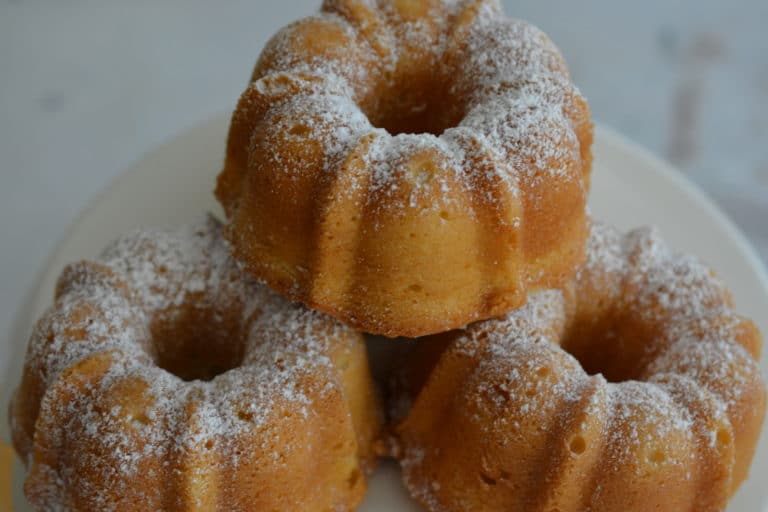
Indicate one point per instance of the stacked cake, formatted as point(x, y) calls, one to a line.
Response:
point(413, 169)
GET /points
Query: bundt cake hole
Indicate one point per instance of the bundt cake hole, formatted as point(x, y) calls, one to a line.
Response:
point(195, 344)
point(602, 350)
point(194, 366)
point(410, 119)
point(417, 102)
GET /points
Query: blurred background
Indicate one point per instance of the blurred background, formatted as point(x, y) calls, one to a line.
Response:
point(87, 87)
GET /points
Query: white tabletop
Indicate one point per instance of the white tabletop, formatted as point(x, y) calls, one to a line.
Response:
point(87, 87)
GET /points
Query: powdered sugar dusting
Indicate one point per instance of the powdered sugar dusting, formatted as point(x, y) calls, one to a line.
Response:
point(104, 396)
point(507, 81)
point(700, 383)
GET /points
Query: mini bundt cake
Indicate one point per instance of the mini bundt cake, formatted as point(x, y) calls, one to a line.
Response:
point(409, 166)
point(163, 379)
point(634, 389)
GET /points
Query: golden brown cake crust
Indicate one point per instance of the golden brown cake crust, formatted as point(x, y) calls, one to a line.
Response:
point(163, 378)
point(409, 167)
point(636, 388)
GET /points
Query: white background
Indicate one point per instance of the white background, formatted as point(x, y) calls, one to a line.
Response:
point(87, 87)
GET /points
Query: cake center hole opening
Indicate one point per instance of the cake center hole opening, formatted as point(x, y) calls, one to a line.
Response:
point(419, 103)
point(602, 350)
point(195, 345)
